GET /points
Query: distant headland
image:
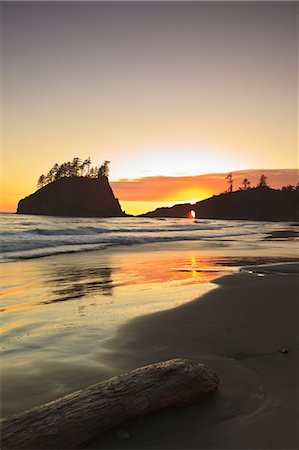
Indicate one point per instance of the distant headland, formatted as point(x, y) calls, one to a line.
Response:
point(73, 189)
point(259, 203)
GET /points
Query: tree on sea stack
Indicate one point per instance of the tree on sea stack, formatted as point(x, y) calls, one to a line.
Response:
point(73, 189)
point(87, 163)
point(41, 181)
point(74, 168)
point(104, 169)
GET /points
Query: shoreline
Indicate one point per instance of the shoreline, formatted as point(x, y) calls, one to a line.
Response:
point(194, 329)
point(58, 312)
point(211, 235)
point(241, 329)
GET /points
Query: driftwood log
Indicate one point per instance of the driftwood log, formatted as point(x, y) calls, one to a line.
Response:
point(76, 419)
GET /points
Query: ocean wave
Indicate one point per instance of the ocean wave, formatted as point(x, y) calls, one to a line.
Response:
point(88, 231)
point(45, 236)
point(42, 249)
point(43, 252)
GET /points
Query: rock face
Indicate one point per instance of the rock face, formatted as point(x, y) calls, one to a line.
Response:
point(73, 197)
point(253, 204)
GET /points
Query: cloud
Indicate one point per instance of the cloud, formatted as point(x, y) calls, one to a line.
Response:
point(166, 188)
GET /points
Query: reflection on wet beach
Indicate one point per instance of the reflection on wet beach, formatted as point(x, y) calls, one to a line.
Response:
point(73, 282)
point(58, 311)
point(45, 281)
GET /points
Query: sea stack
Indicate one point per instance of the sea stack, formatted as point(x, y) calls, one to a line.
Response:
point(260, 203)
point(73, 197)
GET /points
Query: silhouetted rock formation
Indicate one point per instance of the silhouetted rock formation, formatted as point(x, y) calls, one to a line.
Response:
point(73, 197)
point(253, 204)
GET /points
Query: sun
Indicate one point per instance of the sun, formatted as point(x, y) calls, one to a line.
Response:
point(192, 195)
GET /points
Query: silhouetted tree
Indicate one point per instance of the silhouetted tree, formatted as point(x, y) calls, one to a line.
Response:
point(41, 181)
point(55, 169)
point(60, 172)
point(86, 164)
point(229, 179)
point(262, 182)
point(91, 173)
point(289, 187)
point(50, 176)
point(104, 169)
point(69, 169)
point(245, 185)
point(81, 169)
point(95, 172)
point(74, 168)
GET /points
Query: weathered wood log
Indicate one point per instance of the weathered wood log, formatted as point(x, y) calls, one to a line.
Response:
point(74, 420)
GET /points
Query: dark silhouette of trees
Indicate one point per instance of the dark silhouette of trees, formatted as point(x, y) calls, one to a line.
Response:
point(289, 187)
point(41, 181)
point(55, 171)
point(229, 179)
point(245, 185)
point(86, 164)
point(104, 169)
point(262, 182)
point(49, 176)
point(74, 168)
point(94, 172)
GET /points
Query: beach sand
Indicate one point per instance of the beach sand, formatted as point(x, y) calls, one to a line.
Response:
point(246, 330)
point(58, 311)
point(94, 315)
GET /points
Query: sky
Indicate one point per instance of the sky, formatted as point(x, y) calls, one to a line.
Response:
point(161, 89)
point(148, 193)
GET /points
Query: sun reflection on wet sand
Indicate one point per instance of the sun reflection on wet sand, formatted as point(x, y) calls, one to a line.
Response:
point(10, 326)
point(82, 281)
point(57, 310)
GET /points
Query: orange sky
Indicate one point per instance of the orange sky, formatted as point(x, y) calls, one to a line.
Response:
point(148, 193)
point(172, 89)
point(145, 194)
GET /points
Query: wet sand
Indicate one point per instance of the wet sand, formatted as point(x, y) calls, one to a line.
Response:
point(247, 331)
point(58, 311)
point(63, 338)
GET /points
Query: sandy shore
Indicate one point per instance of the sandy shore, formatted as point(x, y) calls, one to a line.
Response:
point(241, 330)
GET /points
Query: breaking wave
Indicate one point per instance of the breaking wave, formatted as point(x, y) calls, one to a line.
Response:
point(25, 237)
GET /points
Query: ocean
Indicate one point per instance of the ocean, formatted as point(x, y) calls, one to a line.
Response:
point(68, 284)
point(27, 237)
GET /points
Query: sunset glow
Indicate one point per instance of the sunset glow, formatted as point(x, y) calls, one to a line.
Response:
point(144, 85)
point(149, 158)
point(138, 196)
